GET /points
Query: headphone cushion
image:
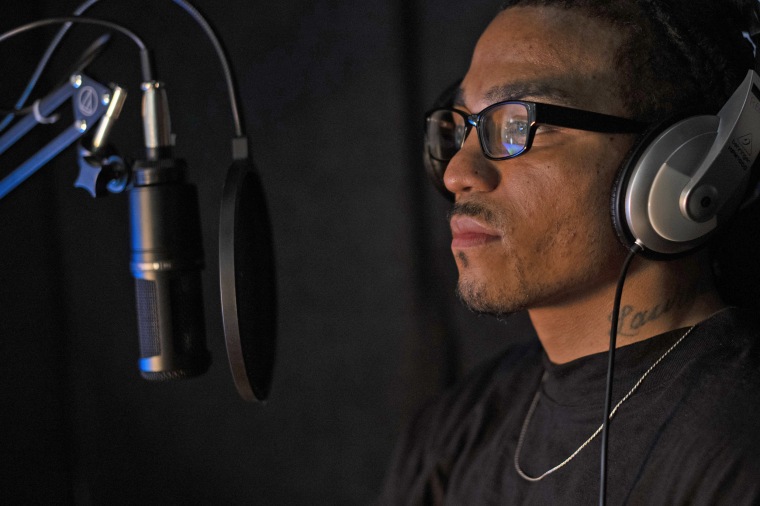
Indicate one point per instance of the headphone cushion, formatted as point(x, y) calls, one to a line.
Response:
point(623, 176)
point(628, 167)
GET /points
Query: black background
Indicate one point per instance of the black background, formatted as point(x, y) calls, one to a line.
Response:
point(333, 94)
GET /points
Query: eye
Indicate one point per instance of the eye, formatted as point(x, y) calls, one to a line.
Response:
point(516, 127)
point(515, 131)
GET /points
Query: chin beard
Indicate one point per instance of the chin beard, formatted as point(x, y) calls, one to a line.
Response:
point(479, 301)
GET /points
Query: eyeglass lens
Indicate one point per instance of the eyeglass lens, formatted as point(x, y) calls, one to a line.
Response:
point(503, 131)
point(446, 131)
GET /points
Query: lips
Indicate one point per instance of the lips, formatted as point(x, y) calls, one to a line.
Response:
point(468, 232)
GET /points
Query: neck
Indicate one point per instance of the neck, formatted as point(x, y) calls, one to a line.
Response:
point(657, 297)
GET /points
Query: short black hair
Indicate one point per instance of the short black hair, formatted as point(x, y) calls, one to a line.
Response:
point(679, 54)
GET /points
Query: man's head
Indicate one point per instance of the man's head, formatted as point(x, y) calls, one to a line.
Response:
point(534, 230)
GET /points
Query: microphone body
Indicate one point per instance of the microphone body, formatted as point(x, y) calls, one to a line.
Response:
point(166, 262)
point(167, 253)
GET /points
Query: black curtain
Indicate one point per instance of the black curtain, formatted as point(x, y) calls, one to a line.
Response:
point(333, 94)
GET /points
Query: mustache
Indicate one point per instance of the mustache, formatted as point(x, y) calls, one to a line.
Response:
point(473, 210)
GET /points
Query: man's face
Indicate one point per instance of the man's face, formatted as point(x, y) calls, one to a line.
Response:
point(534, 231)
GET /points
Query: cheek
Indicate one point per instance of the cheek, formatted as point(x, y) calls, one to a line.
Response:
point(567, 206)
point(591, 232)
point(549, 198)
point(560, 208)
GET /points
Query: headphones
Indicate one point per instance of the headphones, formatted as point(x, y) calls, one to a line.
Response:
point(686, 177)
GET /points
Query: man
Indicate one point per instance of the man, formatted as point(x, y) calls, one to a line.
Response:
point(531, 230)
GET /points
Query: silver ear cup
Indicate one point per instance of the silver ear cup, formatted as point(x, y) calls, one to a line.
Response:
point(652, 189)
point(688, 177)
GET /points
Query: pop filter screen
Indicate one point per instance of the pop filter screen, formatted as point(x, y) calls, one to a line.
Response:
point(247, 281)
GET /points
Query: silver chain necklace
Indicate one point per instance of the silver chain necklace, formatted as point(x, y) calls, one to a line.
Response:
point(533, 405)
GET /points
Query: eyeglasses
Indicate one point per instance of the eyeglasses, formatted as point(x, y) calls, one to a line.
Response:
point(506, 129)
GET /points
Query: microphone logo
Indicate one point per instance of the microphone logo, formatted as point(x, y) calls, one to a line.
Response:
point(87, 100)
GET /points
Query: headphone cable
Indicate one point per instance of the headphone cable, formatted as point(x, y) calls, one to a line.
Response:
point(635, 249)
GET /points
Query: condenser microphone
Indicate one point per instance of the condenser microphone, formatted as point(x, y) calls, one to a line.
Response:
point(167, 253)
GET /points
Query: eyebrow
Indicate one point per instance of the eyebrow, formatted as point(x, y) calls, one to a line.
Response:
point(518, 91)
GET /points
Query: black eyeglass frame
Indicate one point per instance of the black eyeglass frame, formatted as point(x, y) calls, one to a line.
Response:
point(543, 114)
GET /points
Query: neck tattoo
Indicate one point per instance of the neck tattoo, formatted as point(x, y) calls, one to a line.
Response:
point(534, 403)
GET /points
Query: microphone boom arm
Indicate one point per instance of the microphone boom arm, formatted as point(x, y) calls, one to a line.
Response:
point(91, 100)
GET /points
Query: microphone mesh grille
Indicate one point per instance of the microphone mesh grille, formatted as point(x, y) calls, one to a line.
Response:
point(147, 318)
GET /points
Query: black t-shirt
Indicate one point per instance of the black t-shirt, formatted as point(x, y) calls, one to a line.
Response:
point(690, 434)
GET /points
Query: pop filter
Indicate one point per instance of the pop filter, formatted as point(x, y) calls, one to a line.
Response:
point(247, 281)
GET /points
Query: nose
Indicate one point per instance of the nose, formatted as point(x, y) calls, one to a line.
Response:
point(470, 170)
